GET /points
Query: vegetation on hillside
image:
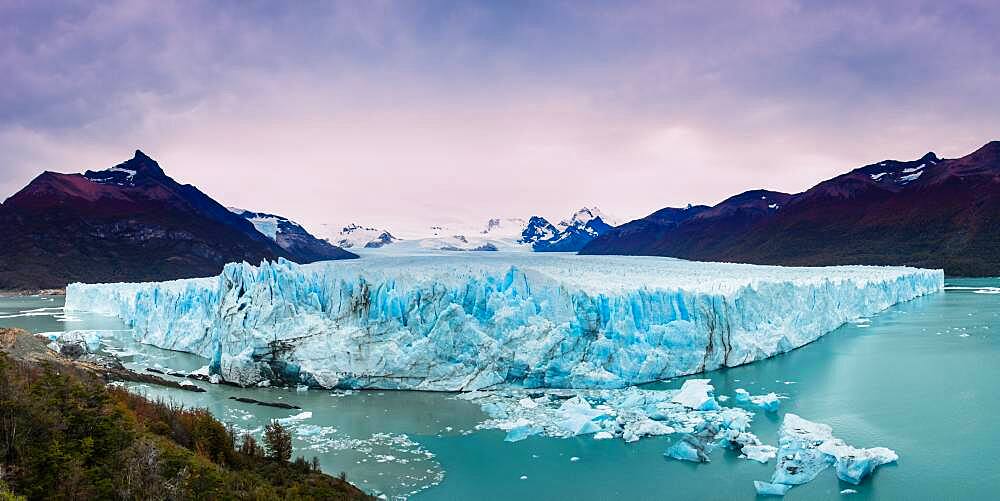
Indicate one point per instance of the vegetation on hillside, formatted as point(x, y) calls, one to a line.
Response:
point(65, 435)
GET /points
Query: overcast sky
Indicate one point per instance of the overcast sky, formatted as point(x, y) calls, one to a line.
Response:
point(412, 112)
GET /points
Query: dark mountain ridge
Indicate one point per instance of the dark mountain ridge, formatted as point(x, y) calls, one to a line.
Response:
point(130, 222)
point(928, 212)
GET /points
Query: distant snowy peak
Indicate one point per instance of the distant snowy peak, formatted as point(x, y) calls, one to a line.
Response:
point(507, 227)
point(571, 234)
point(357, 236)
point(457, 243)
point(538, 229)
point(585, 215)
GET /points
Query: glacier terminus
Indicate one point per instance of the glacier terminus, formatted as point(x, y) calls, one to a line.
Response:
point(495, 320)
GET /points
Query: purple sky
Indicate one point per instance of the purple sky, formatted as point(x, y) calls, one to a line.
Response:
point(399, 113)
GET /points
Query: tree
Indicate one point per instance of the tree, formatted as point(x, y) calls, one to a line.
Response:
point(249, 447)
point(278, 441)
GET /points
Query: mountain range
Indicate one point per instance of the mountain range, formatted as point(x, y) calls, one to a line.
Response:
point(569, 235)
point(929, 212)
point(498, 233)
point(130, 222)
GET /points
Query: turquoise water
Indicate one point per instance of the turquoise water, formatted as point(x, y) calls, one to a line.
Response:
point(922, 378)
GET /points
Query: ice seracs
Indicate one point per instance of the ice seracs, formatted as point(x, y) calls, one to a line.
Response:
point(483, 320)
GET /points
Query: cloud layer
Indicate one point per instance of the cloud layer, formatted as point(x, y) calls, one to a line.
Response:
point(406, 113)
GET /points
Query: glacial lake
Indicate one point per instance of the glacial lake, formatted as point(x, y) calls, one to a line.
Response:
point(922, 378)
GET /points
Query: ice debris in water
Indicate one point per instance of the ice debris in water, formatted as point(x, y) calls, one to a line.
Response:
point(760, 453)
point(808, 448)
point(769, 402)
point(297, 417)
point(478, 321)
point(628, 414)
point(769, 489)
point(696, 394)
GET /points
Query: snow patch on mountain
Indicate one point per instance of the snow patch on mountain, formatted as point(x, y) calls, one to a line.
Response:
point(268, 224)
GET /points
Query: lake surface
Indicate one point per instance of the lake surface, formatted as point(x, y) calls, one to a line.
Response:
point(922, 378)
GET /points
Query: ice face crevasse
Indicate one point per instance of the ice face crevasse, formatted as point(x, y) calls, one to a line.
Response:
point(472, 322)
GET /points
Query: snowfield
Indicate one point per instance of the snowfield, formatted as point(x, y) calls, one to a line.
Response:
point(488, 320)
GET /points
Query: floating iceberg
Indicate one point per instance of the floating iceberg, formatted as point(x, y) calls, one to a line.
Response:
point(769, 489)
point(808, 448)
point(687, 449)
point(768, 403)
point(493, 320)
point(696, 394)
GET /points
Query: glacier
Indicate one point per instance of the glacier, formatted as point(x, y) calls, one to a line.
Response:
point(493, 320)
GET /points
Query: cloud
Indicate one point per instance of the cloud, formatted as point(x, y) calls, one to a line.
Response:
point(403, 113)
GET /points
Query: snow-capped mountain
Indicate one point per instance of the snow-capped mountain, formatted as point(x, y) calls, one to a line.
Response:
point(584, 216)
point(571, 234)
point(128, 223)
point(357, 236)
point(537, 230)
point(500, 233)
point(290, 235)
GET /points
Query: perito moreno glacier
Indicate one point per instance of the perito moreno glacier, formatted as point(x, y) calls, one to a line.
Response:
point(468, 322)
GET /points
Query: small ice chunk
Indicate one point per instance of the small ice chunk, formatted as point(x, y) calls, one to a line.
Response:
point(574, 459)
point(770, 489)
point(689, 449)
point(634, 430)
point(297, 417)
point(603, 435)
point(697, 394)
point(760, 453)
point(527, 403)
point(848, 491)
point(520, 430)
point(768, 402)
point(524, 477)
point(578, 417)
point(854, 464)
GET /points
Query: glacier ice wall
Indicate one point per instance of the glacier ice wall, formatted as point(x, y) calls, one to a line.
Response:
point(473, 322)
